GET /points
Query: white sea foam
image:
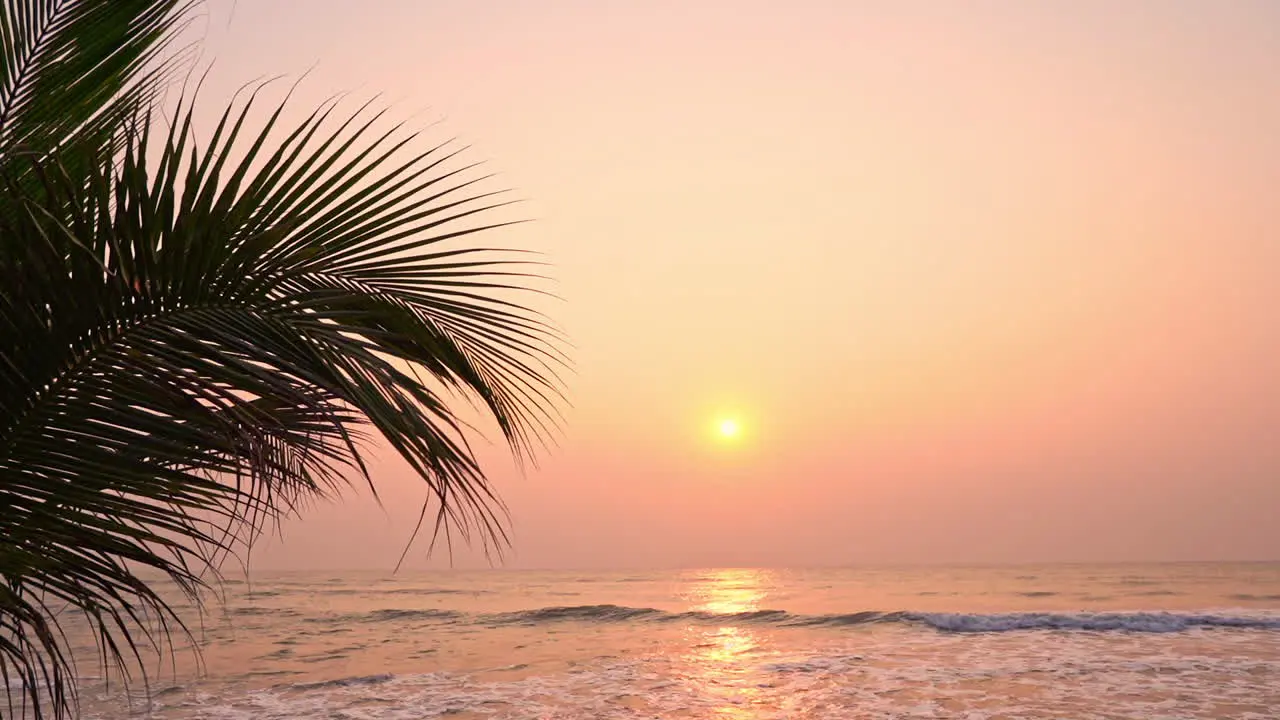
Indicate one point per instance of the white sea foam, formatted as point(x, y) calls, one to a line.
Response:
point(901, 673)
point(1084, 643)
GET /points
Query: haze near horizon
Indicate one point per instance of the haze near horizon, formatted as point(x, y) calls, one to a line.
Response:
point(972, 282)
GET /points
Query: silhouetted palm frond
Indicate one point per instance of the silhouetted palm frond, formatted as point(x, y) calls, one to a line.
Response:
point(198, 336)
point(72, 71)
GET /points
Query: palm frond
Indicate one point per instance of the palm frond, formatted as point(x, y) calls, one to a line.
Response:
point(197, 337)
point(71, 71)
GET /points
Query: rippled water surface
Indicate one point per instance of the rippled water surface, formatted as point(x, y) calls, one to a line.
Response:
point(1115, 641)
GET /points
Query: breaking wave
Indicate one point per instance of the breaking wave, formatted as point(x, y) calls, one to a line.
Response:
point(1145, 622)
point(1142, 622)
point(346, 682)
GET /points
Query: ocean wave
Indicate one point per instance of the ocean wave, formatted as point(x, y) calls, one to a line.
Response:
point(392, 614)
point(601, 613)
point(357, 681)
point(865, 617)
point(1162, 622)
point(385, 615)
point(1143, 622)
point(256, 611)
point(1249, 597)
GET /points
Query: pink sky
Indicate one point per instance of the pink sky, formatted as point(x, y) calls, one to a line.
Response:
point(984, 281)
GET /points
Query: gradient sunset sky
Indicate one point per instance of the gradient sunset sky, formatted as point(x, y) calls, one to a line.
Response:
point(982, 281)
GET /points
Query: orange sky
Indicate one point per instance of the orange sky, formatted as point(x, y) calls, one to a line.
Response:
point(984, 281)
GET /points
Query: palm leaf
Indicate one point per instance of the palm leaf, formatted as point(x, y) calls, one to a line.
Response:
point(71, 71)
point(201, 336)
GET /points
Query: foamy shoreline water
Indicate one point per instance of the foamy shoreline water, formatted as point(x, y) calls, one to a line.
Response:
point(979, 643)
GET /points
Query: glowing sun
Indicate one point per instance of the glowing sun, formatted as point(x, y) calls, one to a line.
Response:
point(728, 428)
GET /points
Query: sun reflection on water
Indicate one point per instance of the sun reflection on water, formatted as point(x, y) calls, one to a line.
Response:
point(726, 592)
point(720, 660)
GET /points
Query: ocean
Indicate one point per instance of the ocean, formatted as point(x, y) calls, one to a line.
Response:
point(976, 643)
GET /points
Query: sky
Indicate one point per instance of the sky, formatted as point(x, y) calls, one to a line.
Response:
point(981, 282)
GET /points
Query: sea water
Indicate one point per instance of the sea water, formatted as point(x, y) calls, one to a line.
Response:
point(978, 643)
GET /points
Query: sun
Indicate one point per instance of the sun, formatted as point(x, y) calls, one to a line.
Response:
point(728, 428)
